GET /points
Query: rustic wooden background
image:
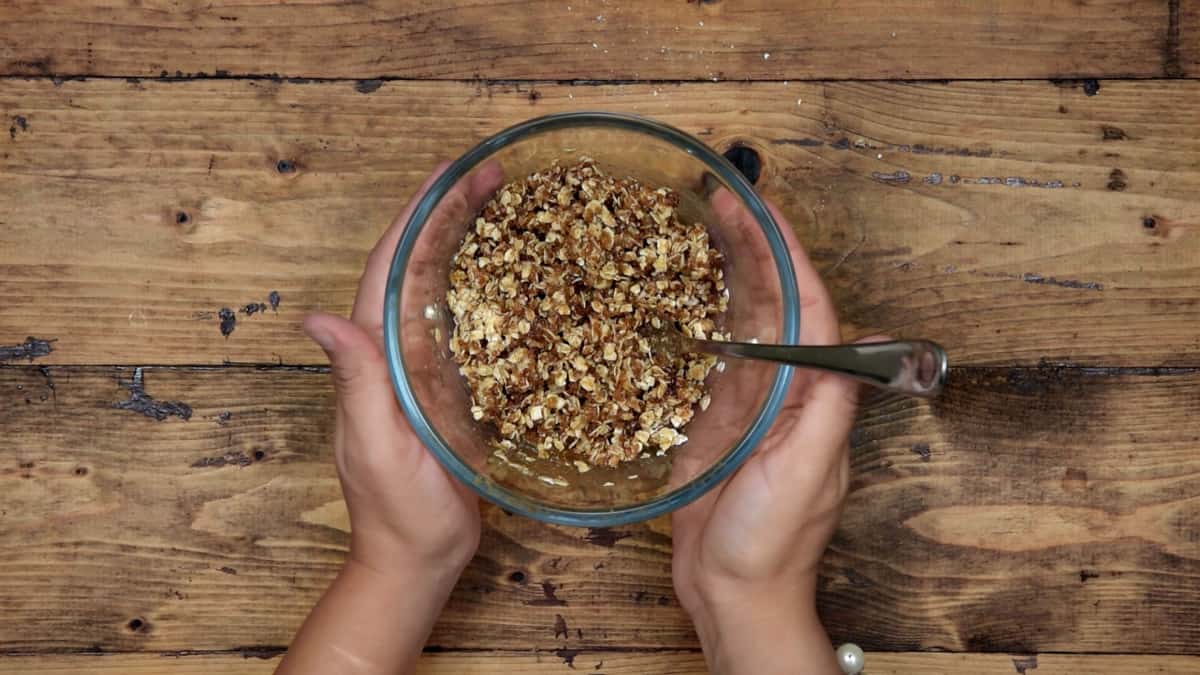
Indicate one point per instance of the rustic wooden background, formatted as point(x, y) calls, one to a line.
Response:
point(1017, 179)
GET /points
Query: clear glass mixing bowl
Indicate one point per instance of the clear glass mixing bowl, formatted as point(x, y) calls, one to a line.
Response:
point(746, 395)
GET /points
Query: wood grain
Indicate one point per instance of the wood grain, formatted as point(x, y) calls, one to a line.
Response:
point(613, 663)
point(1030, 510)
point(591, 40)
point(143, 208)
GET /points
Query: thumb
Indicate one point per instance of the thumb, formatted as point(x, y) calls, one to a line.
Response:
point(360, 372)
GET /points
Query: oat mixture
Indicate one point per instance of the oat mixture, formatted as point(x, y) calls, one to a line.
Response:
point(553, 294)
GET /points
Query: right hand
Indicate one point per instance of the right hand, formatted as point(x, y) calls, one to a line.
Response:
point(746, 554)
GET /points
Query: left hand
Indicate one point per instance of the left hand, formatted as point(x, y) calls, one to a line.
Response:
point(403, 505)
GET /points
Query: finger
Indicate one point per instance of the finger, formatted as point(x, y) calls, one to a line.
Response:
point(463, 200)
point(824, 421)
point(360, 372)
point(368, 302)
point(818, 318)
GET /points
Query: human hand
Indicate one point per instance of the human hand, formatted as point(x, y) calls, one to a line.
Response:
point(413, 527)
point(746, 554)
point(403, 506)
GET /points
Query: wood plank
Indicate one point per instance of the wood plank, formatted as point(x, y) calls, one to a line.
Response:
point(145, 207)
point(759, 39)
point(1030, 510)
point(612, 663)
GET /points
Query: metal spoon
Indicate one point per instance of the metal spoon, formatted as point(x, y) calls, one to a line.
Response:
point(913, 367)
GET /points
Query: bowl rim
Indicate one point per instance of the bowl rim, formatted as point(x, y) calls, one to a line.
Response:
point(494, 492)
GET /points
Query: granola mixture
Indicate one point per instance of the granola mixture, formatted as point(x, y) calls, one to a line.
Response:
point(553, 294)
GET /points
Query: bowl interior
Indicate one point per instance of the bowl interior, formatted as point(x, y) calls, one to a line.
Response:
point(745, 395)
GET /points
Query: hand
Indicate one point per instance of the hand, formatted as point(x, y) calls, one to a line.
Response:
point(413, 527)
point(746, 554)
point(403, 505)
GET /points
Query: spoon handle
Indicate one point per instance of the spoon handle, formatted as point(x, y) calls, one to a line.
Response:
point(914, 367)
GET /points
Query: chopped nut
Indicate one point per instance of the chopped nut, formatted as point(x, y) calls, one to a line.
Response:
point(551, 292)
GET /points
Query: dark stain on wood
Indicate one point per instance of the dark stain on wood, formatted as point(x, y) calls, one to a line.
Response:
point(1074, 480)
point(1117, 181)
point(1109, 132)
point(549, 597)
point(41, 66)
point(1091, 86)
point(1024, 663)
point(604, 536)
point(856, 579)
point(254, 308)
point(1084, 575)
point(899, 177)
point(1064, 283)
point(1171, 45)
point(560, 627)
point(228, 321)
point(224, 417)
point(19, 123)
point(922, 450)
point(228, 459)
point(273, 300)
point(32, 348)
point(141, 402)
point(568, 656)
point(227, 570)
point(801, 142)
point(367, 86)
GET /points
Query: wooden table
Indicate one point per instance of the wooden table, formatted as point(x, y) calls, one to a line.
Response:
point(1019, 180)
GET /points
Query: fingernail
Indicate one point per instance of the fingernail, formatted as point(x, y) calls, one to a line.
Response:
point(322, 337)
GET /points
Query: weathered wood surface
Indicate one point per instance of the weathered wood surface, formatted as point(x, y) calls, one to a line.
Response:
point(562, 662)
point(610, 40)
point(1030, 510)
point(136, 210)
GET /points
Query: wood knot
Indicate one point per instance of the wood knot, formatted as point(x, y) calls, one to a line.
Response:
point(746, 160)
point(1117, 181)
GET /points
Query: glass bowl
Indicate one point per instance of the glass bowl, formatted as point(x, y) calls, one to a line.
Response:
point(745, 395)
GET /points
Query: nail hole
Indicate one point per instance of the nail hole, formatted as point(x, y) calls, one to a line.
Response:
point(81, 471)
point(136, 625)
point(517, 577)
point(1149, 222)
point(259, 454)
point(182, 218)
point(285, 166)
point(746, 160)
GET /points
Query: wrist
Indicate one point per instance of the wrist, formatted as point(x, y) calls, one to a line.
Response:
point(401, 573)
point(763, 632)
point(395, 562)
